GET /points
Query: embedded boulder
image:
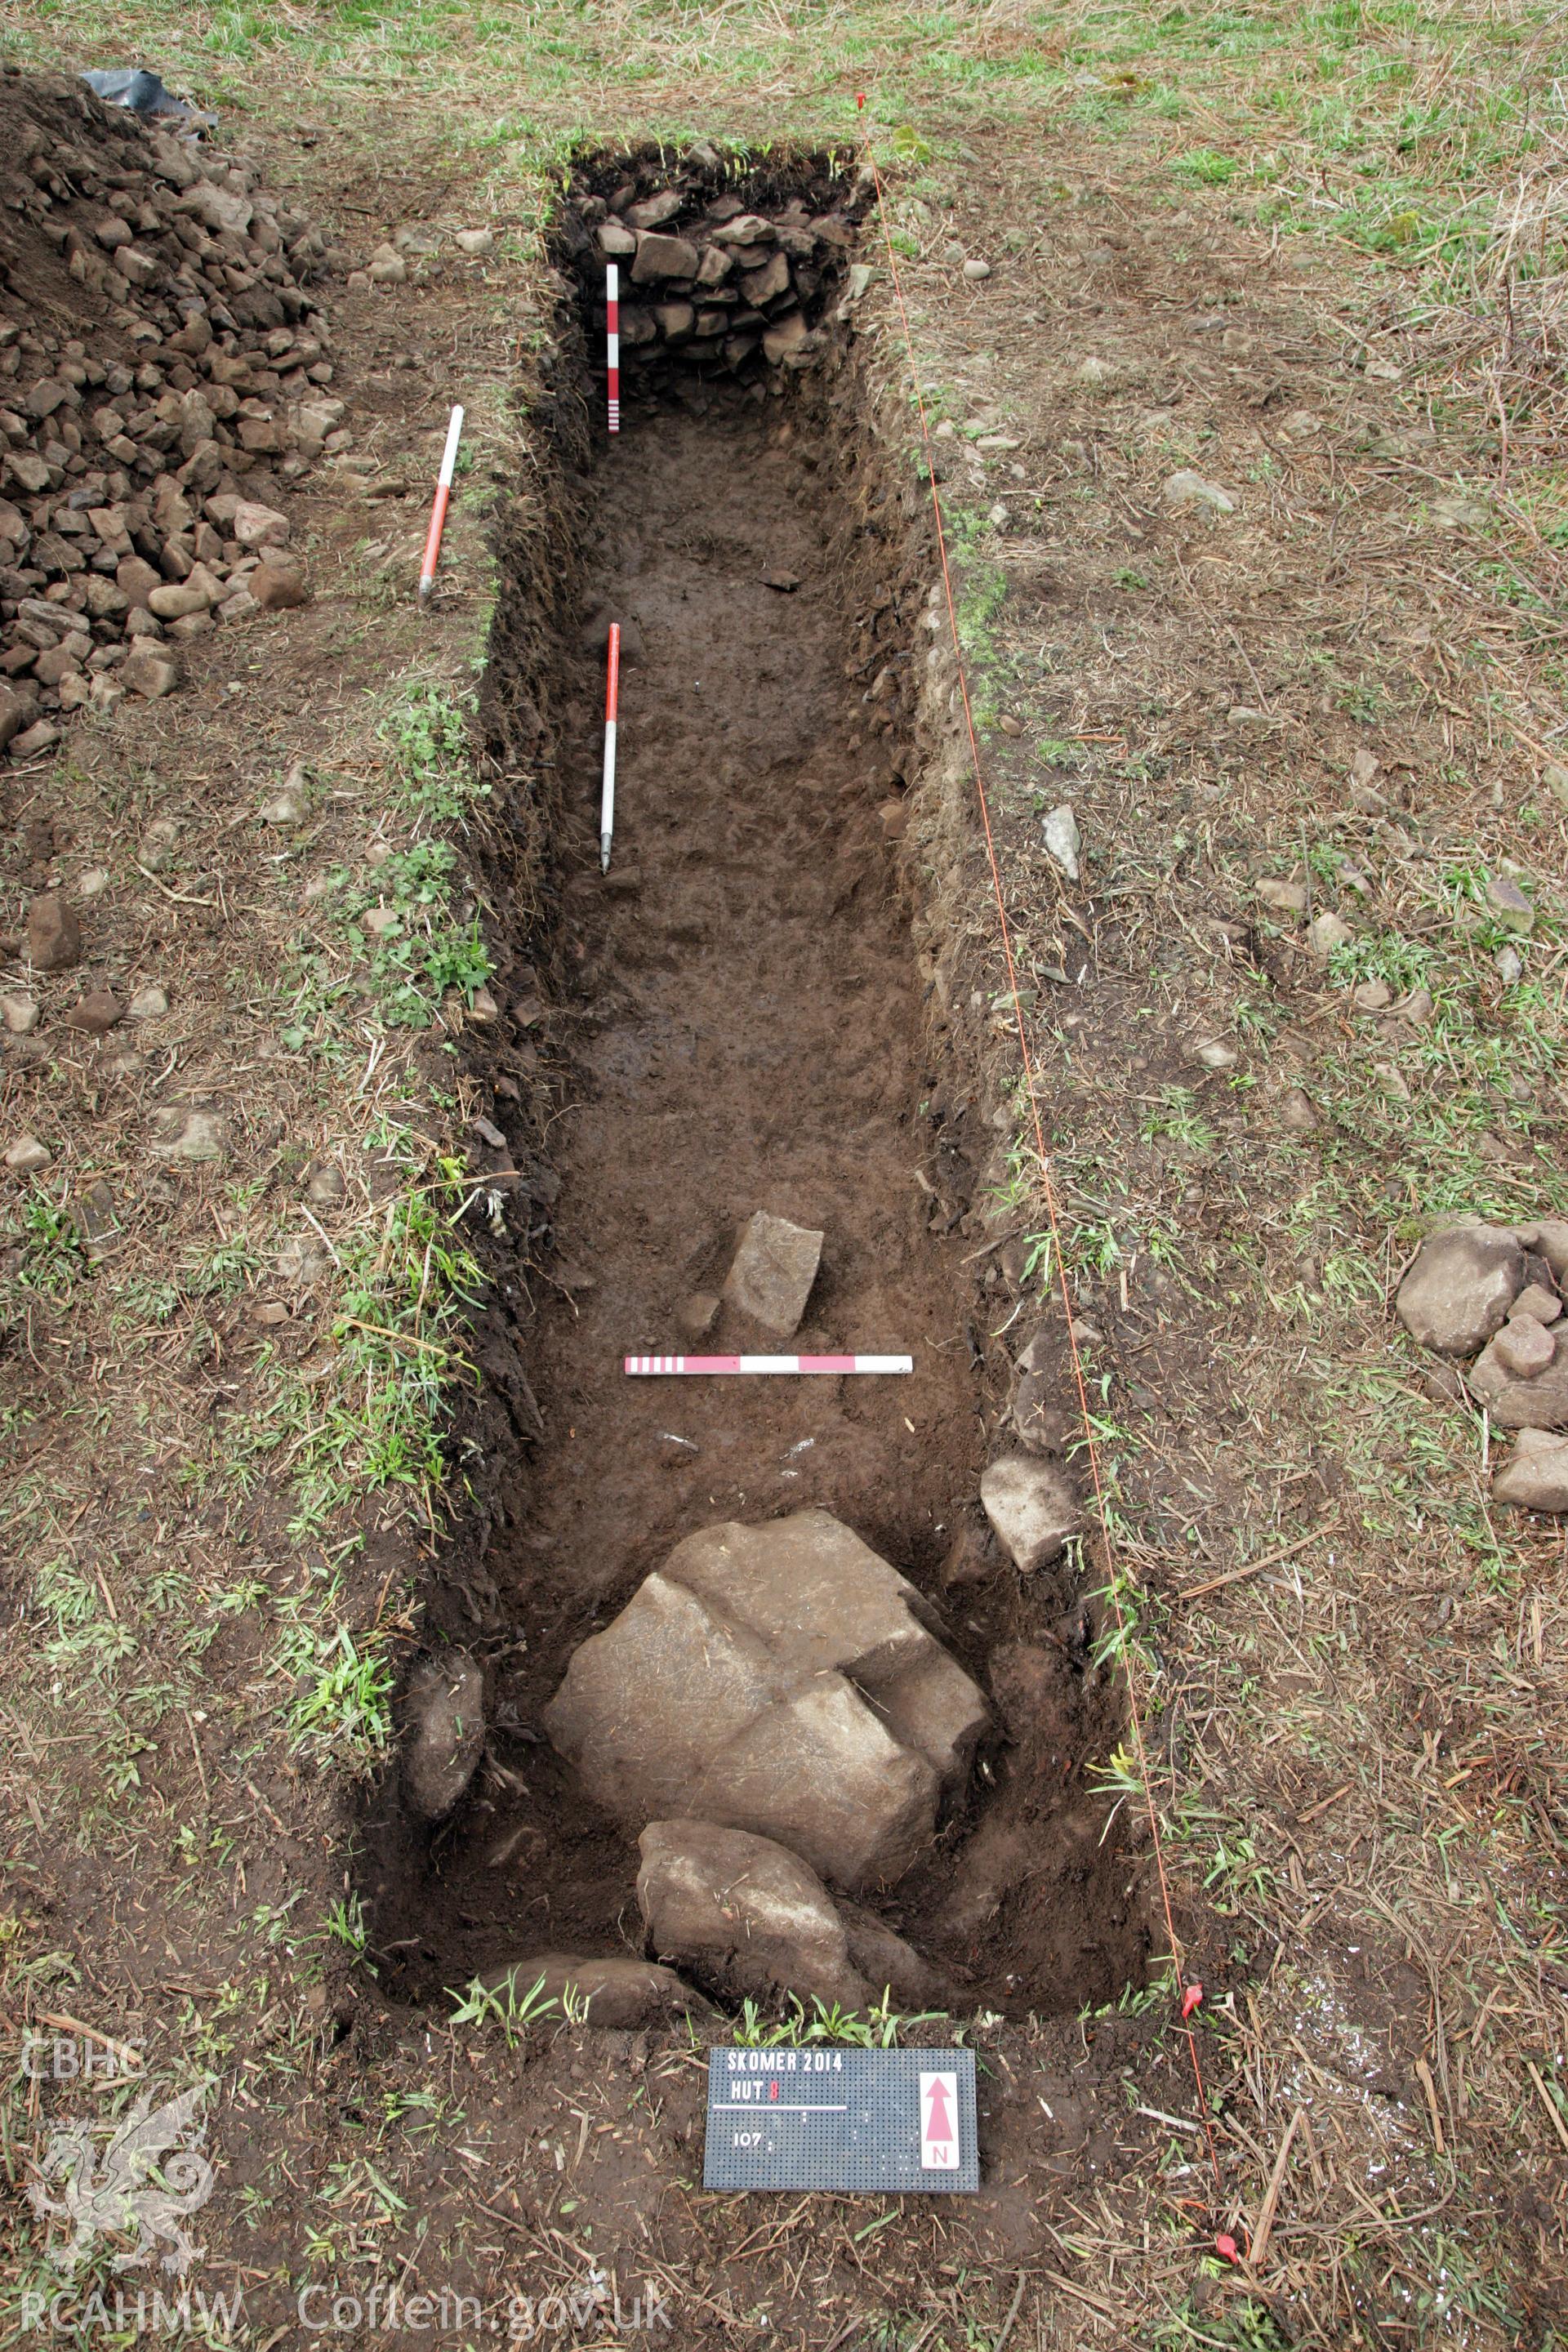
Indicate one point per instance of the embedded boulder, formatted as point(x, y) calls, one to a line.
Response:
point(446, 1706)
point(1032, 1508)
point(776, 1679)
point(1459, 1290)
point(744, 1915)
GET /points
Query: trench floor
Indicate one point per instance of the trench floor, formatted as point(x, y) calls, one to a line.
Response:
point(749, 1036)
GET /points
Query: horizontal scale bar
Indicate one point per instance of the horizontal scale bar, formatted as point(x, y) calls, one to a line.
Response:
point(647, 1367)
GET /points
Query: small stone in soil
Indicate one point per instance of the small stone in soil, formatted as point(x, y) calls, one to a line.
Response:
point(54, 934)
point(96, 1013)
point(1031, 1506)
point(19, 1015)
point(324, 1185)
point(1187, 488)
point(149, 673)
point(197, 1134)
point(1062, 840)
point(278, 587)
point(1327, 931)
point(446, 1706)
point(1509, 903)
point(149, 1003)
point(772, 1272)
point(26, 1156)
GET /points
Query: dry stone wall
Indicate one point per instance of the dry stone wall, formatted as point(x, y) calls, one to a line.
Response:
point(724, 276)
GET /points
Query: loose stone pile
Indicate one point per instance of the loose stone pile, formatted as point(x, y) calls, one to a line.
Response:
point(136, 453)
point(1491, 1294)
point(707, 283)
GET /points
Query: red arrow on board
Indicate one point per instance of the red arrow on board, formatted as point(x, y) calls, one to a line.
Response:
point(937, 2124)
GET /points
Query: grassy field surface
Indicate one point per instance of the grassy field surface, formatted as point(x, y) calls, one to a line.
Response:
point(1316, 254)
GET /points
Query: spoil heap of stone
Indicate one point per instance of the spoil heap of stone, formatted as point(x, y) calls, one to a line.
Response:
point(776, 1679)
point(161, 365)
point(1491, 1294)
point(728, 284)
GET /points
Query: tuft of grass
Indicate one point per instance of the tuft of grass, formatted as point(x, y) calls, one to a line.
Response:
point(369, 1418)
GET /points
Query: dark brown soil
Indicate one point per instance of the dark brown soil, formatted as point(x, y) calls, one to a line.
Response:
point(745, 1004)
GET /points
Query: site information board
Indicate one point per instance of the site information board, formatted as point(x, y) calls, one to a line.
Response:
point(829, 2117)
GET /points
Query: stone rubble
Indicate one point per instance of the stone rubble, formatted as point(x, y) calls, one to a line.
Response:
point(726, 292)
point(1489, 1293)
point(140, 455)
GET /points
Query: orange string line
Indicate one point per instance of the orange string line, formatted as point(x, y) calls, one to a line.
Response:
point(1091, 1444)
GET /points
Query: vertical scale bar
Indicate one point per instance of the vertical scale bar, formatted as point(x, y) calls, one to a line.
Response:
point(439, 511)
point(608, 797)
point(613, 341)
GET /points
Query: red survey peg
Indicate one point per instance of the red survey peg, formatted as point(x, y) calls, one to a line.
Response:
point(1190, 2000)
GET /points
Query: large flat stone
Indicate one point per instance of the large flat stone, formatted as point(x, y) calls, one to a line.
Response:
point(822, 1599)
point(648, 1703)
point(1460, 1288)
point(776, 1679)
point(773, 1271)
point(821, 1773)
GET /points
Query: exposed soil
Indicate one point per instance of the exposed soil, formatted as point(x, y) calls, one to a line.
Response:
point(745, 1007)
point(1360, 1735)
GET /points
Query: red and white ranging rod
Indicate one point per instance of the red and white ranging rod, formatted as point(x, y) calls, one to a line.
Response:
point(607, 793)
point(659, 1366)
point(613, 341)
point(439, 511)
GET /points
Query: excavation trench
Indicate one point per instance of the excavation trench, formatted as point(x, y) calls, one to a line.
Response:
point(735, 1019)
